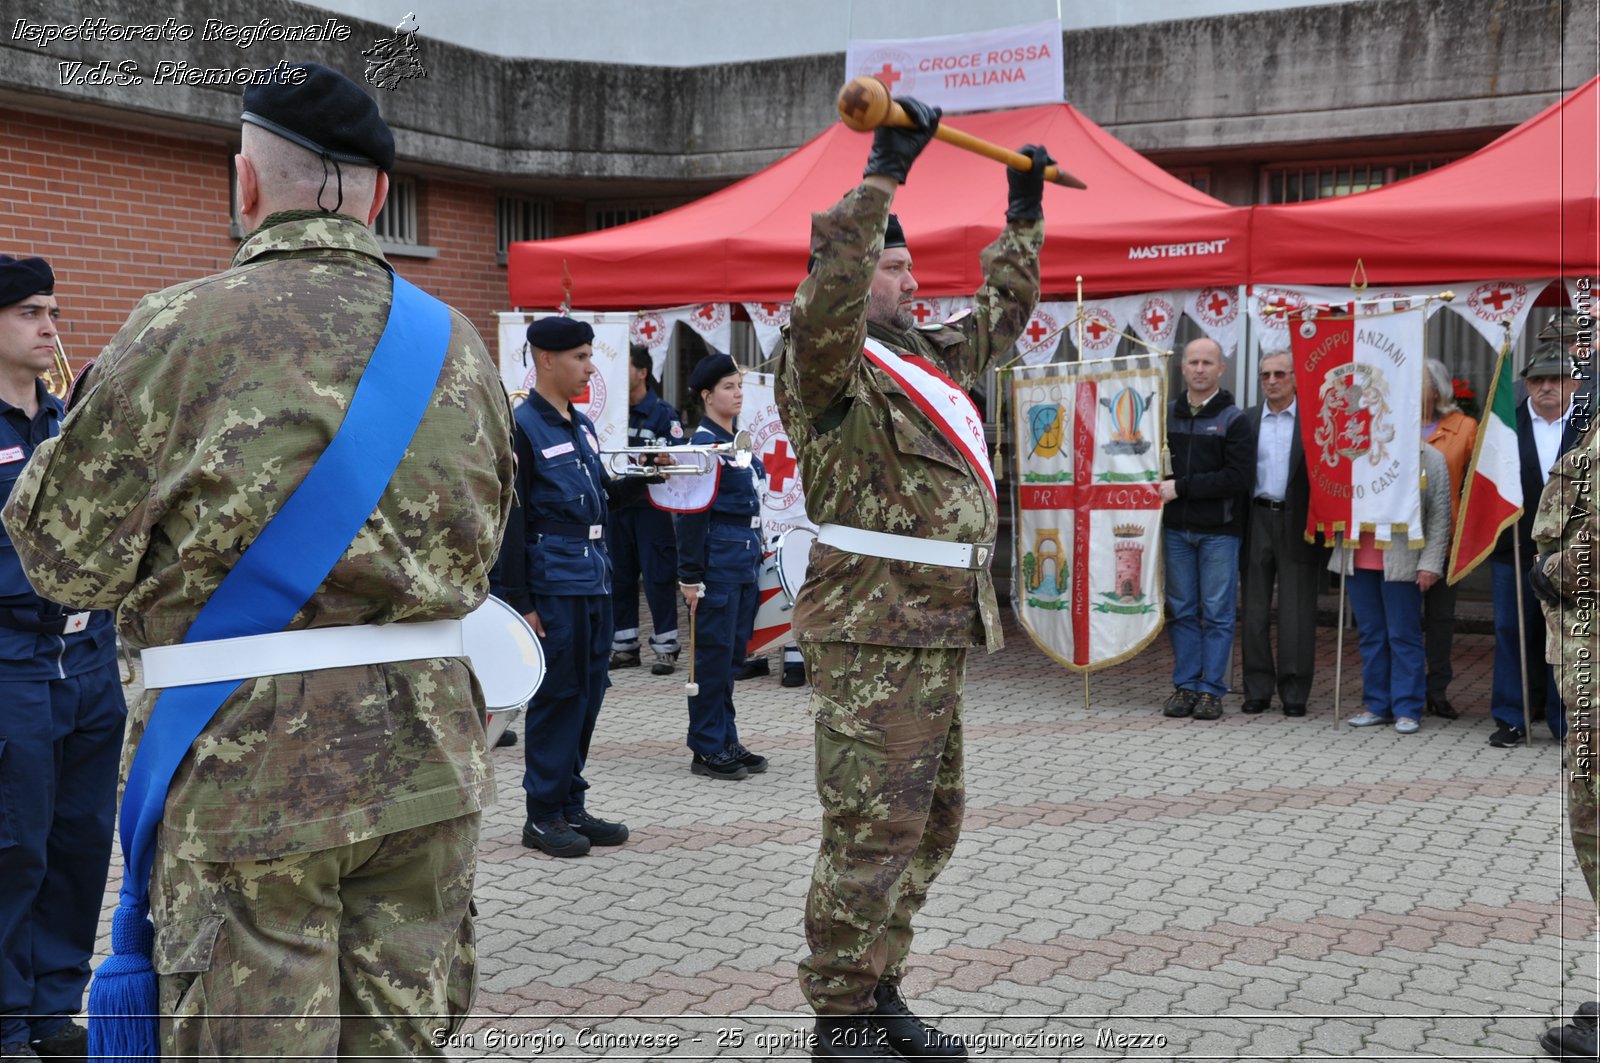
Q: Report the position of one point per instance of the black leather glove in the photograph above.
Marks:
(1027, 188)
(894, 148)
(1540, 584)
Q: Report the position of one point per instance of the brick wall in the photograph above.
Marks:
(124, 212)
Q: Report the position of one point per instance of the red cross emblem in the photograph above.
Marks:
(921, 311)
(648, 330)
(1499, 297)
(1154, 318)
(779, 463)
(707, 312)
(1218, 303)
(771, 308)
(1095, 330)
(1037, 332)
(888, 75)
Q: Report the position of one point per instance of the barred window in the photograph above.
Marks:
(1301, 182)
(517, 218)
(397, 221)
(606, 215)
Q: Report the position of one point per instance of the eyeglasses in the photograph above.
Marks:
(1274, 374)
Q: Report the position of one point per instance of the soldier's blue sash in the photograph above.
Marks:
(274, 578)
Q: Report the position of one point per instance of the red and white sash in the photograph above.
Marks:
(943, 400)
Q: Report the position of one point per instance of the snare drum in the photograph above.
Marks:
(507, 659)
(793, 550)
(772, 611)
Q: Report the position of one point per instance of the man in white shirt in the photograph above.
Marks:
(1276, 551)
(1541, 423)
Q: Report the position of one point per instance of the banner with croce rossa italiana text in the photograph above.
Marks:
(1089, 439)
(1358, 381)
(983, 71)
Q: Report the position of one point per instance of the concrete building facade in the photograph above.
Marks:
(115, 151)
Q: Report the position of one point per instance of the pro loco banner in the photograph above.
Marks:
(1358, 380)
(1087, 573)
(606, 401)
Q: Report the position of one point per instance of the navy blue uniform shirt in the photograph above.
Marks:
(561, 482)
(28, 654)
(723, 543)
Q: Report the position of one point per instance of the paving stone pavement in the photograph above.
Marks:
(1126, 886)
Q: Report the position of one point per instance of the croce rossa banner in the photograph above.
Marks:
(1358, 380)
(1088, 440)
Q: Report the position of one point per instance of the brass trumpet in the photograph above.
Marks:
(58, 378)
(686, 461)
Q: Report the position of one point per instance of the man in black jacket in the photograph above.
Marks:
(1213, 464)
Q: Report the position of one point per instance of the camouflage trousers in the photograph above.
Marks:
(888, 761)
(1574, 643)
(365, 949)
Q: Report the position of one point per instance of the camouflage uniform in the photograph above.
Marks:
(886, 641)
(317, 810)
(1566, 531)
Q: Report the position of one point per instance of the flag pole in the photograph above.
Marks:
(1522, 631)
(1338, 651)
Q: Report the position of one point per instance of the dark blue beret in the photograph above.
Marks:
(893, 235)
(710, 369)
(22, 277)
(326, 113)
(557, 333)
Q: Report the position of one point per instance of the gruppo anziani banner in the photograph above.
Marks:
(1358, 380)
(1087, 569)
(994, 69)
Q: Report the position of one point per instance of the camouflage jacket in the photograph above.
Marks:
(204, 413)
(1566, 532)
(870, 458)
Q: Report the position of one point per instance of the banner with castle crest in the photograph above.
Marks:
(1086, 574)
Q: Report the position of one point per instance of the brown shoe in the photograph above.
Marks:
(1209, 707)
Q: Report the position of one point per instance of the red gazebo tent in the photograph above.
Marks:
(1525, 205)
(1136, 228)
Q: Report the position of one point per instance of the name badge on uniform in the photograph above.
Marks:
(557, 450)
(11, 454)
(594, 444)
(75, 623)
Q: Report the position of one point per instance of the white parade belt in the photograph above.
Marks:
(905, 547)
(504, 653)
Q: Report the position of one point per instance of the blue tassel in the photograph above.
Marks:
(123, 1027)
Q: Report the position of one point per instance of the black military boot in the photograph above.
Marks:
(909, 1035)
(850, 1038)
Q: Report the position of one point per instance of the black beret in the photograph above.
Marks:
(326, 113)
(22, 277)
(557, 333)
(708, 370)
(893, 235)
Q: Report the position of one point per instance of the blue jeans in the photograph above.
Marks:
(1389, 626)
(1505, 694)
(1202, 572)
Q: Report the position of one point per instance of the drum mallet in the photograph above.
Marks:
(692, 688)
(865, 104)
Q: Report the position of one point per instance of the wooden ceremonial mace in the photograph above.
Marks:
(865, 104)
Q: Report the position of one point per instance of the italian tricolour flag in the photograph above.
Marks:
(1492, 500)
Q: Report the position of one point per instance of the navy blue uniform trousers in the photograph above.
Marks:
(723, 622)
(642, 546)
(60, 740)
(562, 714)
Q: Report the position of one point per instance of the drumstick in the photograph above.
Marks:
(865, 104)
(691, 688)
